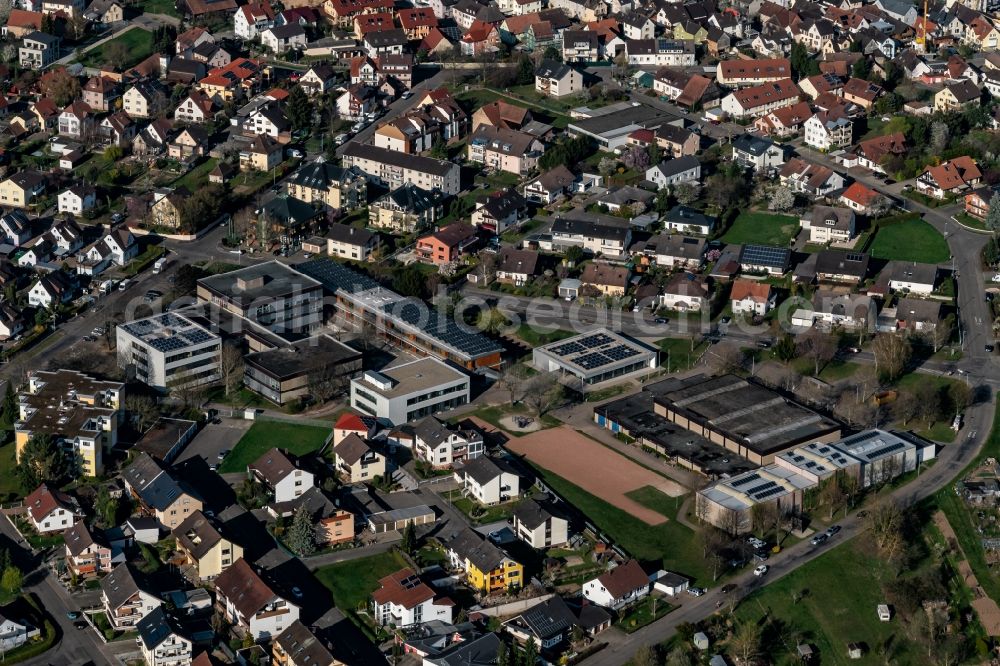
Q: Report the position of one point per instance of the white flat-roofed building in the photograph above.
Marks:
(728, 503)
(884, 455)
(169, 350)
(817, 460)
(410, 391)
(595, 357)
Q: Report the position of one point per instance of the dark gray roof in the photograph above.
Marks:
(289, 210)
(752, 145)
(480, 651)
(155, 628)
(484, 469)
(119, 585)
(409, 197)
(501, 204)
(552, 69)
(911, 271)
(343, 233)
(320, 175)
(531, 513)
(681, 214)
(549, 619)
(565, 225)
(482, 553)
(839, 262)
(678, 165)
(398, 159)
(305, 356)
(385, 38)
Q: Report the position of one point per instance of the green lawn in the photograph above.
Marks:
(352, 583)
(836, 608)
(536, 337)
(670, 544)
(158, 7)
(679, 354)
(969, 221)
(263, 435)
(478, 514)
(762, 229)
(912, 240)
(9, 485)
(139, 43)
(197, 177)
(648, 610)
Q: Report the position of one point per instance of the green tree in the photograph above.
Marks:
(861, 69)
(574, 254)
(106, 507)
(12, 580)
(301, 535)
(552, 53)
(409, 539)
(503, 654)
(993, 215)
(803, 64)
(439, 150)
(785, 349)
(530, 654)
(299, 108)
(8, 410)
(525, 71)
(41, 460)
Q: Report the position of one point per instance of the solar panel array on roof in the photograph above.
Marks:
(569, 348)
(596, 340)
(776, 490)
(748, 479)
(886, 450)
(592, 360)
(441, 328)
(764, 255)
(855, 256)
(336, 276)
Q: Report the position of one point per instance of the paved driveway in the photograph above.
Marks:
(214, 438)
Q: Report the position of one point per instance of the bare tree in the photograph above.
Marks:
(885, 524)
(325, 383)
(728, 359)
(763, 516)
(512, 378)
(746, 642)
(732, 521)
(943, 330)
(892, 353)
(905, 407)
(187, 389)
(543, 392)
(488, 263)
(818, 347)
(231, 368)
(142, 409)
(832, 495)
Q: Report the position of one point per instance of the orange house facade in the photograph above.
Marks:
(446, 244)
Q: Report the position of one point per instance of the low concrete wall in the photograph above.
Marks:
(513, 607)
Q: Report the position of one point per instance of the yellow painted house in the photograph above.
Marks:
(204, 546)
(690, 31)
(20, 190)
(487, 567)
(79, 412)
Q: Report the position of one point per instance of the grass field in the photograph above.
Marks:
(835, 608)
(668, 544)
(912, 240)
(535, 337)
(762, 229)
(679, 353)
(352, 582)
(263, 435)
(9, 485)
(197, 177)
(139, 43)
(158, 7)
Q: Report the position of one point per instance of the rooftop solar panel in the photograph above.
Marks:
(886, 450)
(742, 482)
(764, 255)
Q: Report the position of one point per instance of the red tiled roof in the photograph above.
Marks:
(402, 588)
(860, 194)
(749, 69)
(20, 18)
(758, 292)
(45, 500)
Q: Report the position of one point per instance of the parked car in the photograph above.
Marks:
(294, 152)
(73, 615)
(761, 570)
(695, 591)
(819, 538)
(832, 529)
(728, 587)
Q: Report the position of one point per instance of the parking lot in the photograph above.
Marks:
(213, 438)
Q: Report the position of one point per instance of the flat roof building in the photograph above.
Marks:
(80, 413)
(407, 322)
(595, 357)
(317, 365)
(166, 438)
(271, 294)
(744, 417)
(168, 350)
(410, 391)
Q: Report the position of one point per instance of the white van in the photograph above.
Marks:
(159, 264)
(108, 286)
(124, 284)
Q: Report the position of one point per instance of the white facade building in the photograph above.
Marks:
(169, 350)
(410, 391)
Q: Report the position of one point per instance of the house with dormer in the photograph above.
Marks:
(251, 603)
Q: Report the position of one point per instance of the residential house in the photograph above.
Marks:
(488, 481)
(393, 169)
(299, 646)
(786, 121)
(760, 100)
(263, 154)
(51, 289)
(550, 185)
(505, 150)
(319, 79)
(557, 79)
(499, 211)
(161, 641)
(283, 479)
(951, 177)
(403, 600)
(15, 228)
(406, 209)
(253, 18)
(144, 99)
(516, 267)
(741, 73)
(117, 129)
(841, 266)
(757, 152)
(105, 11)
(860, 198)
(671, 251)
(197, 107)
(957, 96)
(323, 182)
(168, 207)
(827, 224)
(501, 114)
(809, 178)
(686, 169)
(605, 279)
(100, 93)
(580, 46)
(126, 598)
(872, 153)
(911, 277)
(538, 526)
(250, 603)
(688, 220)
(38, 50)
(357, 460)
(21, 22)
(487, 567)
(348, 242)
(284, 38)
(751, 298)
(676, 141)
(204, 546)
(158, 493)
(446, 244)
(862, 93)
(442, 447)
(607, 236)
(77, 199)
(685, 292)
(620, 587)
(20, 189)
(765, 259)
(917, 315)
(827, 130)
(51, 511)
(977, 202)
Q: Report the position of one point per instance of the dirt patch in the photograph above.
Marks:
(595, 468)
